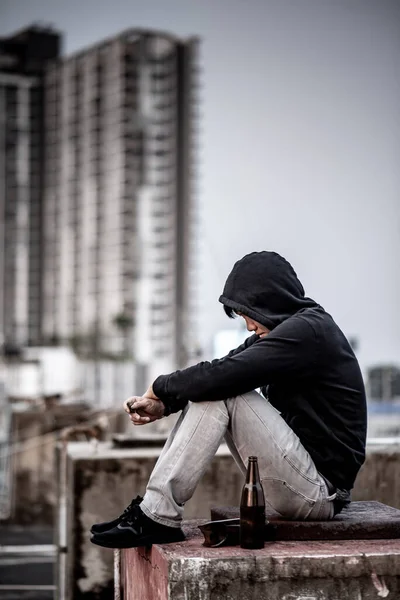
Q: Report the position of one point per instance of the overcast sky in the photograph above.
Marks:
(300, 142)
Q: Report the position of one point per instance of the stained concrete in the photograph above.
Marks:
(379, 478)
(351, 570)
(34, 434)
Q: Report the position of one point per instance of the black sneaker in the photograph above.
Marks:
(102, 527)
(136, 529)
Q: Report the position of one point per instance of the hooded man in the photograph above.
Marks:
(307, 427)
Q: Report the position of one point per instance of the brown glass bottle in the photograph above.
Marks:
(252, 509)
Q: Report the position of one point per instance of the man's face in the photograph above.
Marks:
(252, 325)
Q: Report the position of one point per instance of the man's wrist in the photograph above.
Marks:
(150, 393)
(167, 409)
(159, 390)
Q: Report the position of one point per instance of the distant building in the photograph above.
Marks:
(23, 59)
(383, 382)
(118, 200)
(118, 205)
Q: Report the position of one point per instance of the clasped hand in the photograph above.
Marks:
(147, 408)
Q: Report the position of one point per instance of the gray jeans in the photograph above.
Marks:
(251, 426)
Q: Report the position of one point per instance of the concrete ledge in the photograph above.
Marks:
(360, 520)
(365, 570)
(100, 483)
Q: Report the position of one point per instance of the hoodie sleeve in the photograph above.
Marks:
(173, 403)
(289, 350)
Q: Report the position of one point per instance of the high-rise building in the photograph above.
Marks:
(118, 205)
(23, 59)
(96, 199)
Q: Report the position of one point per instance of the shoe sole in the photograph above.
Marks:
(144, 541)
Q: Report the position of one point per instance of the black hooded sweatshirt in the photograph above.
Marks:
(304, 366)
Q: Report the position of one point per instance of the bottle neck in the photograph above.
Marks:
(252, 472)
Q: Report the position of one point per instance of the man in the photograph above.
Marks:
(308, 427)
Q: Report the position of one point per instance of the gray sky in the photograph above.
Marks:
(300, 142)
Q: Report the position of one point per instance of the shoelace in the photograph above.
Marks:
(133, 515)
(131, 506)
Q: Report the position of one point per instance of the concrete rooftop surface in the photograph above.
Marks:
(299, 570)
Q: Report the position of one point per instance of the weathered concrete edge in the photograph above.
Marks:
(271, 568)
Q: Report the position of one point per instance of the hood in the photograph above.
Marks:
(265, 287)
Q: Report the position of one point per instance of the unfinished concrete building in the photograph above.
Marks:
(23, 60)
(99, 199)
(118, 197)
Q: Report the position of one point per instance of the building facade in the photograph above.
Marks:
(23, 59)
(119, 202)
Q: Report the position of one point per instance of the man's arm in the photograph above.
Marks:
(179, 403)
(148, 408)
(289, 350)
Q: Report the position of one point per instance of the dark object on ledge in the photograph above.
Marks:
(359, 521)
(220, 533)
